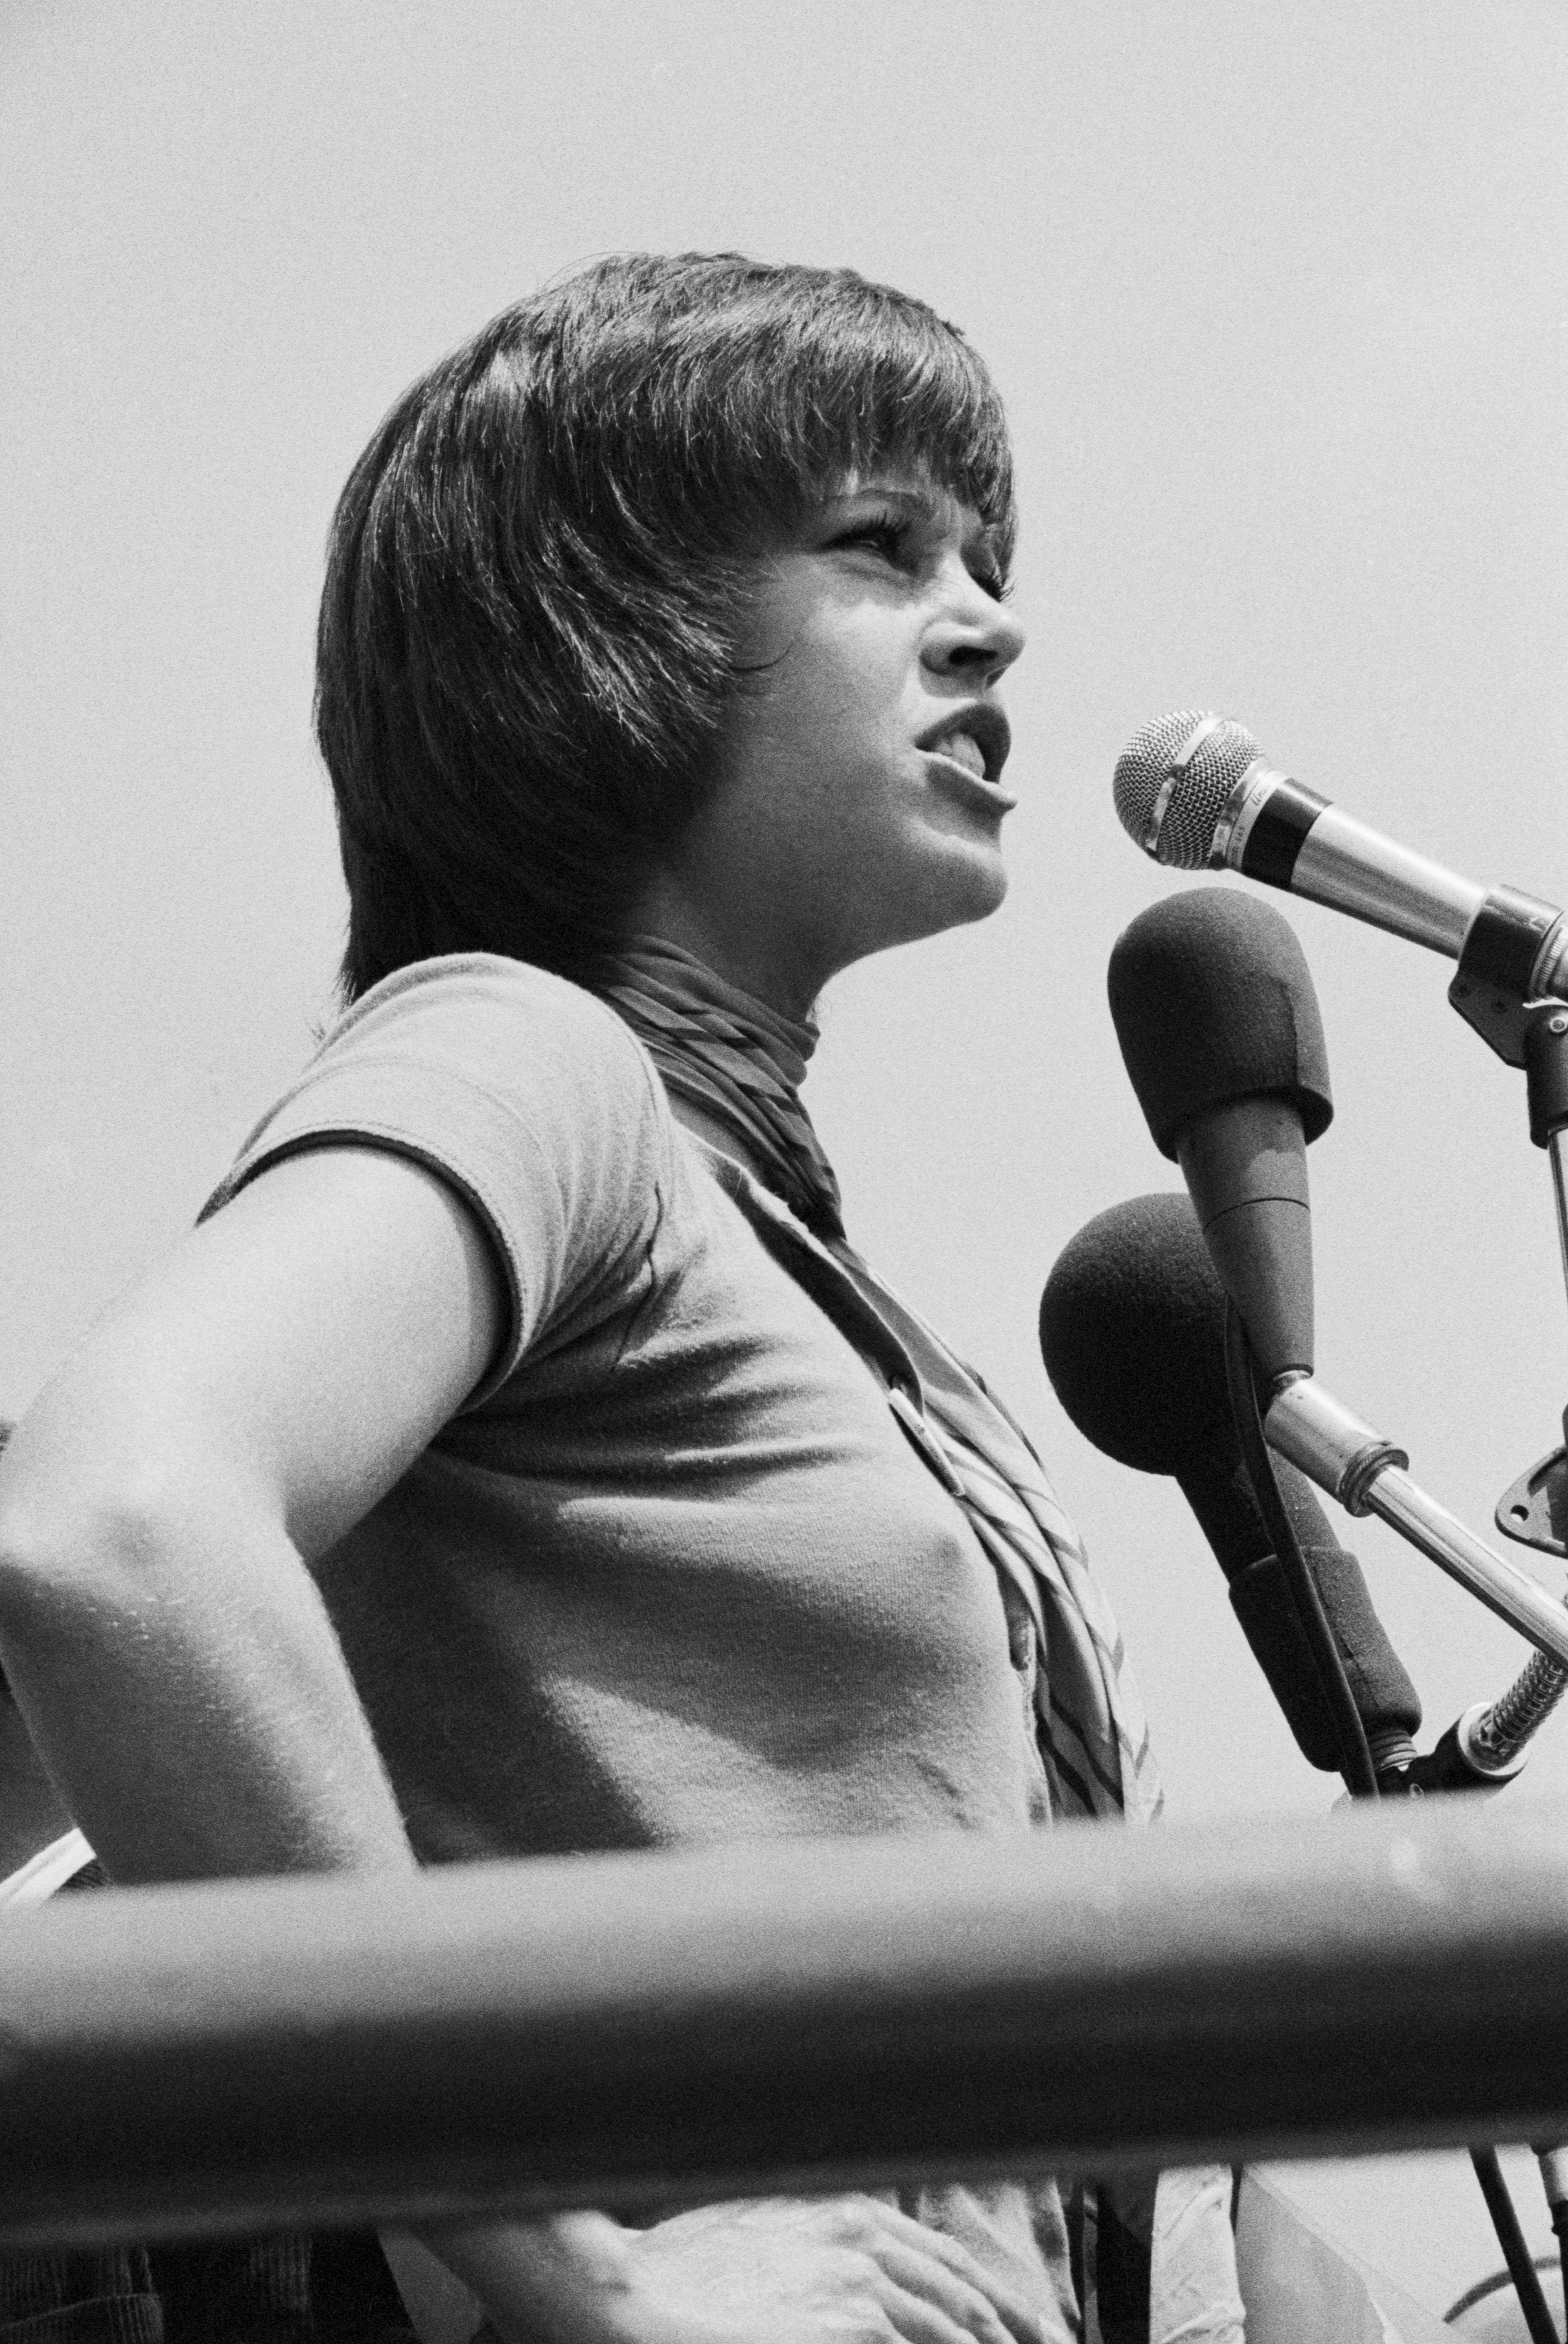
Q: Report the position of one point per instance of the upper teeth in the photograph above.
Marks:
(964, 750)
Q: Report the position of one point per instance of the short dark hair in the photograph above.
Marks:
(526, 636)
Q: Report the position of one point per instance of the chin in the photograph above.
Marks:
(969, 886)
(977, 885)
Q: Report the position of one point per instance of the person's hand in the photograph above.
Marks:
(827, 2270)
(777, 2270)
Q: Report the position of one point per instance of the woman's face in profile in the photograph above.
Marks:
(858, 801)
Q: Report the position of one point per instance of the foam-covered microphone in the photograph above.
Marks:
(1218, 1022)
(1218, 1027)
(1196, 792)
(1133, 1331)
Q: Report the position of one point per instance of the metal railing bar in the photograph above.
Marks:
(619, 2030)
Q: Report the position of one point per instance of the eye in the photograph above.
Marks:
(887, 534)
(987, 568)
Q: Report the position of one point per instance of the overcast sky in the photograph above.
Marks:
(1276, 297)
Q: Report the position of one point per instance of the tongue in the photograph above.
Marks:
(963, 752)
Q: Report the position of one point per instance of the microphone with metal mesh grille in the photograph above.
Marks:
(1133, 1331)
(1196, 793)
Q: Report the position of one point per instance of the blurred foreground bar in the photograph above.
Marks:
(615, 2030)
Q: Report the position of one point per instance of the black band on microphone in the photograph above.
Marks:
(1502, 942)
(1275, 838)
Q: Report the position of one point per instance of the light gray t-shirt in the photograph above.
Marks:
(674, 1573)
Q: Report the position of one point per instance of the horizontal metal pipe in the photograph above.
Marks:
(614, 2029)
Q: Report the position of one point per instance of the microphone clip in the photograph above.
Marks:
(1534, 1508)
(1494, 986)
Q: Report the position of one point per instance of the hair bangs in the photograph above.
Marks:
(734, 393)
(892, 384)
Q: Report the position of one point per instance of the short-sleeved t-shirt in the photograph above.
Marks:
(674, 1573)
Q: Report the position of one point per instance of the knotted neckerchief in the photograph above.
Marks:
(1156, 2265)
(742, 1063)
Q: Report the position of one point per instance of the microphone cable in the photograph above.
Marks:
(1356, 1766)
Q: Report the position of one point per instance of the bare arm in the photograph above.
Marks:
(224, 1423)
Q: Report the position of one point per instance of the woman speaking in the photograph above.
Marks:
(519, 1458)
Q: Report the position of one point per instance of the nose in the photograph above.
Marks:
(972, 635)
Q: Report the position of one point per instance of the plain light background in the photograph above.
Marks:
(1276, 295)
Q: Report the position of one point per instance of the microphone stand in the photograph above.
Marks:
(1554, 2164)
(1522, 2269)
(1534, 1508)
(1356, 1764)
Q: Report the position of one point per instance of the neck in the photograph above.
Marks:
(732, 1063)
(785, 972)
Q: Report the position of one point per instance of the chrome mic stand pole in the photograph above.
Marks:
(1546, 1075)
(1537, 1499)
(1554, 2164)
(1554, 1147)
(1515, 2253)
(1534, 1508)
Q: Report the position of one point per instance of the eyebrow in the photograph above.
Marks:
(919, 500)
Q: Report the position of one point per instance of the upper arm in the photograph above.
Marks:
(343, 1298)
(297, 1351)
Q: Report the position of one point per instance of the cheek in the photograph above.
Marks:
(796, 718)
(849, 674)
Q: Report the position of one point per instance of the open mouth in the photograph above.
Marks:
(973, 738)
(963, 749)
(962, 760)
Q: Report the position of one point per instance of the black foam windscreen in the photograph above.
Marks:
(1212, 1000)
(1133, 1332)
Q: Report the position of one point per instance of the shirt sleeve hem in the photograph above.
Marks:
(477, 1131)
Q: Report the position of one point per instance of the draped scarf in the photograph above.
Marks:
(1154, 2256)
(741, 1063)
